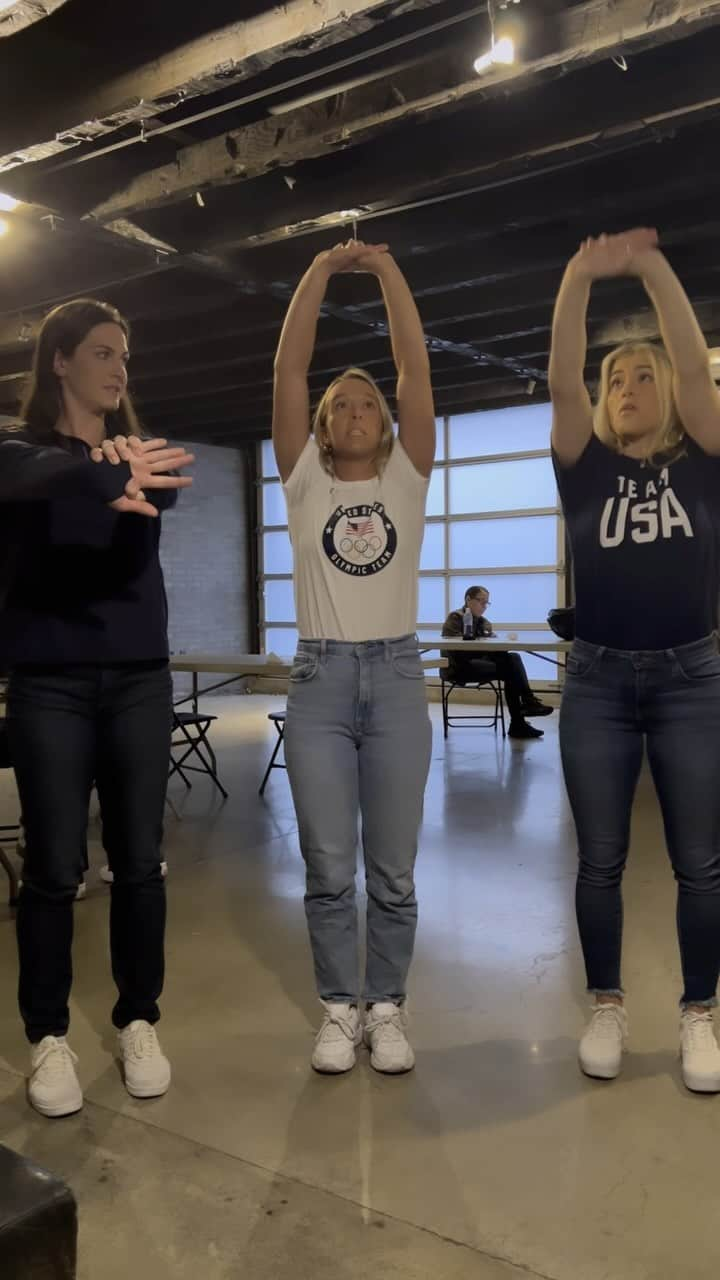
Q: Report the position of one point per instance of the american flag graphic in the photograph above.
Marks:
(360, 528)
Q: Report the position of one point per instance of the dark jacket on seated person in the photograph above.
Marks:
(459, 667)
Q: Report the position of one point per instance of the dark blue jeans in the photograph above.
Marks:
(614, 703)
(69, 727)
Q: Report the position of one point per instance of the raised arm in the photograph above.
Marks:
(416, 411)
(291, 398)
(696, 395)
(572, 422)
(571, 408)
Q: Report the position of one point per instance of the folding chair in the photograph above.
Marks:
(466, 720)
(278, 719)
(190, 738)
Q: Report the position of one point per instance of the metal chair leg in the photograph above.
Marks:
(12, 876)
(271, 764)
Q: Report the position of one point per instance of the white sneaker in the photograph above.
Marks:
(699, 1052)
(54, 1089)
(147, 1070)
(337, 1039)
(602, 1045)
(385, 1027)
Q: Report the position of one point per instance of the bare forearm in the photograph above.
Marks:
(406, 331)
(569, 335)
(297, 340)
(681, 333)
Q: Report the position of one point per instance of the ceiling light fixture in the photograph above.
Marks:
(8, 203)
(500, 53)
(502, 44)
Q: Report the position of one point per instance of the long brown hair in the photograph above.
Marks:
(63, 329)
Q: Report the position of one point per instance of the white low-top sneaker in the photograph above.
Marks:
(54, 1089)
(699, 1052)
(603, 1043)
(147, 1070)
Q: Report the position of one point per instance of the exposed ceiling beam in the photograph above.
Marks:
(584, 34)
(295, 29)
(23, 13)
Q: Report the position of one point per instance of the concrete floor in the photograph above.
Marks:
(495, 1160)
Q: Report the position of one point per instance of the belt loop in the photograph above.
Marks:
(323, 651)
(386, 647)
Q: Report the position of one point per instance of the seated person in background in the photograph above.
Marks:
(509, 667)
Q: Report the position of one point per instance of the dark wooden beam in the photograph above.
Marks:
(24, 13)
(104, 102)
(584, 34)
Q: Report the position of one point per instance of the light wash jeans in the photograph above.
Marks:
(357, 742)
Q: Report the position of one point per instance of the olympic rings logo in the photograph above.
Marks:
(367, 547)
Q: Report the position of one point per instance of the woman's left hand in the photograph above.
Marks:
(122, 449)
(374, 260)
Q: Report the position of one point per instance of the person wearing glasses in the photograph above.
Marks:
(471, 668)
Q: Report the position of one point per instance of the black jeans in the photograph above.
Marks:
(70, 727)
(613, 703)
(508, 667)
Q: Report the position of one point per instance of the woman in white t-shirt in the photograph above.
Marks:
(357, 738)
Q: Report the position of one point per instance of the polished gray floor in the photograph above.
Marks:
(494, 1160)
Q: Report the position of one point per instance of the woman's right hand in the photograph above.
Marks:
(151, 466)
(616, 255)
(346, 257)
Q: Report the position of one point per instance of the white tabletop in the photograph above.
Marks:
(497, 644)
(257, 664)
(231, 663)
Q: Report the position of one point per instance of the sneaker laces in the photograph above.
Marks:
(605, 1023)
(142, 1042)
(698, 1031)
(54, 1059)
(387, 1027)
(337, 1023)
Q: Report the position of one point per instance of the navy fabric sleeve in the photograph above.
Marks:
(573, 481)
(35, 473)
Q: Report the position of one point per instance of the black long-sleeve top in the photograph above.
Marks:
(79, 582)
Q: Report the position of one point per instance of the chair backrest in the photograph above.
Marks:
(562, 622)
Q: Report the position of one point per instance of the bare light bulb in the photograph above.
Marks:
(501, 53)
(8, 203)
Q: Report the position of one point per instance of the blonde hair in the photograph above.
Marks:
(668, 441)
(387, 438)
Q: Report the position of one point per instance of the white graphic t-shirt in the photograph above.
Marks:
(645, 546)
(356, 548)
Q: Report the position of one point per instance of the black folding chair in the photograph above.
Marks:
(278, 719)
(467, 720)
(190, 740)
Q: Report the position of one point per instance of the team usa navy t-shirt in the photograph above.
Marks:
(644, 538)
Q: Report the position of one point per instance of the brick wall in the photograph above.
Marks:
(204, 553)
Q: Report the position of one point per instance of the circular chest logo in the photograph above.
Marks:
(360, 540)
